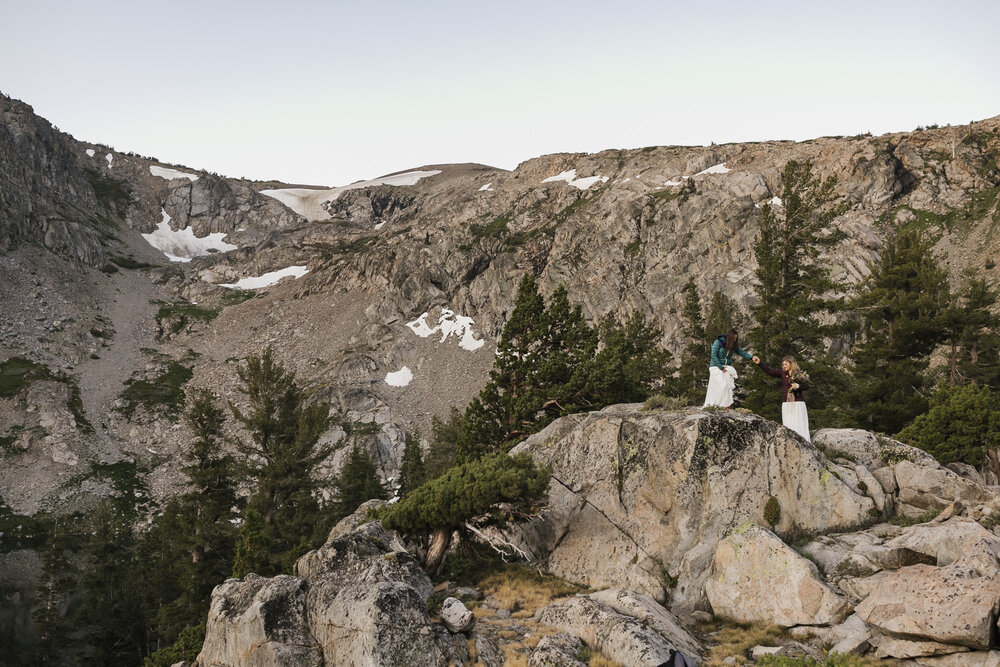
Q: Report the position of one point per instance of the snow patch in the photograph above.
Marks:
(714, 169)
(182, 245)
(170, 174)
(309, 203)
(460, 327)
(580, 183)
(91, 152)
(775, 202)
(379, 225)
(109, 157)
(400, 378)
(487, 188)
(673, 182)
(268, 279)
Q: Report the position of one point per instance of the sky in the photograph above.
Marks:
(328, 93)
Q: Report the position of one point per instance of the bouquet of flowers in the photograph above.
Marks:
(799, 377)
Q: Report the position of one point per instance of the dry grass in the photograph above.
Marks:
(522, 590)
(598, 660)
(483, 612)
(733, 640)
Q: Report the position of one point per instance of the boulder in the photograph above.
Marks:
(851, 636)
(356, 602)
(487, 652)
(619, 637)
(956, 540)
(558, 650)
(363, 555)
(654, 615)
(456, 616)
(867, 449)
(924, 487)
(262, 618)
(973, 659)
(895, 647)
(695, 477)
(951, 605)
(757, 577)
(374, 624)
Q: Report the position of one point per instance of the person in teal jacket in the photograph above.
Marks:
(725, 347)
(721, 374)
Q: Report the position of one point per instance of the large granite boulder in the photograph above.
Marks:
(354, 601)
(619, 637)
(641, 498)
(260, 622)
(758, 578)
(654, 615)
(951, 605)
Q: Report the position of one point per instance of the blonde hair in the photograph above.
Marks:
(793, 365)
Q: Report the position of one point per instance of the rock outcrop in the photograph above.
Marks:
(641, 499)
(354, 602)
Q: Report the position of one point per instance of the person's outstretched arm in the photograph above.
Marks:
(770, 371)
(743, 353)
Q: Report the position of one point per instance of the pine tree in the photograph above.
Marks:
(962, 424)
(692, 377)
(411, 470)
(628, 367)
(793, 286)
(283, 451)
(535, 375)
(901, 305)
(971, 336)
(498, 485)
(357, 482)
(198, 525)
(549, 364)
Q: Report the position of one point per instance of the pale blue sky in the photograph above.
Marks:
(333, 92)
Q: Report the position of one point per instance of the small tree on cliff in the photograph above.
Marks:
(282, 452)
(499, 486)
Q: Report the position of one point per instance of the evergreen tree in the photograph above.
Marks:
(357, 482)
(628, 367)
(411, 470)
(692, 377)
(548, 364)
(963, 424)
(282, 453)
(972, 336)
(198, 526)
(500, 486)
(723, 314)
(901, 306)
(444, 438)
(793, 286)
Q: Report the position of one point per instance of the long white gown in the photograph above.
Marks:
(720, 386)
(795, 416)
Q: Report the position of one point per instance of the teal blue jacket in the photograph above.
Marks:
(721, 358)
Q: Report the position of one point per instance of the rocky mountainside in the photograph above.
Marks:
(127, 282)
